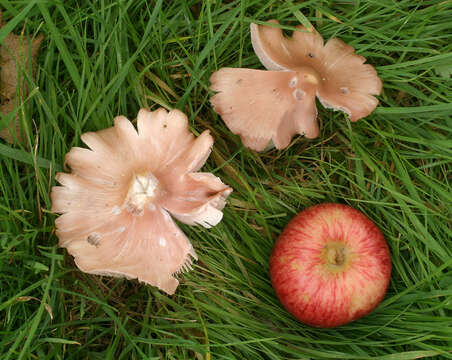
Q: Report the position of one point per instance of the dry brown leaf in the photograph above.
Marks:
(49, 310)
(17, 54)
(26, 298)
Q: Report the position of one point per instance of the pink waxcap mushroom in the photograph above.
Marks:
(275, 105)
(117, 200)
(264, 105)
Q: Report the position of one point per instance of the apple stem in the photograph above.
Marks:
(336, 256)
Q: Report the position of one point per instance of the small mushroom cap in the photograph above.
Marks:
(116, 203)
(263, 105)
(347, 83)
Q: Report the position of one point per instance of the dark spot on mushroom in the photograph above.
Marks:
(344, 90)
(134, 210)
(299, 94)
(239, 81)
(311, 55)
(68, 203)
(165, 126)
(274, 90)
(230, 107)
(94, 239)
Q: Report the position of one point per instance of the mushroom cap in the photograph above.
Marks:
(264, 105)
(116, 203)
(277, 104)
(347, 83)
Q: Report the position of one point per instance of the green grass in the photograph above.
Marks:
(112, 57)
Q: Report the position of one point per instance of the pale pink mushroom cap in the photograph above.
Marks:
(275, 105)
(117, 200)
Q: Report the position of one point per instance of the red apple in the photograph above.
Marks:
(331, 265)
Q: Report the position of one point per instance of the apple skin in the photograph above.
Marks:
(330, 265)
